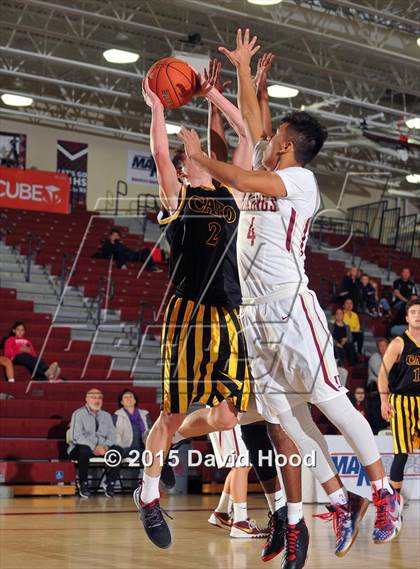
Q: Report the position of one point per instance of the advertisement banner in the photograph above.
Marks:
(35, 190)
(141, 168)
(12, 150)
(354, 476)
(72, 160)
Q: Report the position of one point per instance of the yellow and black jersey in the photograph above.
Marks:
(202, 236)
(404, 376)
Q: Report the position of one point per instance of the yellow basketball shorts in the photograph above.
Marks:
(405, 424)
(203, 356)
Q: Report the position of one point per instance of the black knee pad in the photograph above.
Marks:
(258, 444)
(397, 467)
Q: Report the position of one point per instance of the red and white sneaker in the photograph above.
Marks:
(388, 518)
(248, 530)
(220, 520)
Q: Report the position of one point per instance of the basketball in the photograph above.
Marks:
(173, 81)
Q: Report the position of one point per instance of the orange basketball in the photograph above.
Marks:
(173, 81)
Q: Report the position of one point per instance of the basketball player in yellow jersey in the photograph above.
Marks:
(399, 387)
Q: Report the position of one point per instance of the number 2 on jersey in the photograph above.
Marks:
(214, 230)
(251, 232)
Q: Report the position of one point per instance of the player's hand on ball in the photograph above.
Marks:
(213, 76)
(152, 100)
(387, 411)
(191, 141)
(245, 49)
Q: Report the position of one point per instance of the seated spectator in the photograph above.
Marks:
(113, 247)
(350, 288)
(6, 363)
(399, 322)
(343, 341)
(22, 353)
(353, 322)
(384, 308)
(368, 296)
(358, 398)
(92, 433)
(132, 426)
(404, 289)
(375, 362)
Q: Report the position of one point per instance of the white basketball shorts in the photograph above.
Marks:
(291, 353)
(229, 448)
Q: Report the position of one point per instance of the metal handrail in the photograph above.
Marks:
(29, 254)
(122, 190)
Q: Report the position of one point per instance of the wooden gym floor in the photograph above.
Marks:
(104, 533)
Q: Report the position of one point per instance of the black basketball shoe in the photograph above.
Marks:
(167, 476)
(83, 488)
(156, 528)
(275, 541)
(297, 542)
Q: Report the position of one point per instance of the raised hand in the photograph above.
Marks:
(152, 100)
(213, 76)
(263, 67)
(245, 49)
(191, 142)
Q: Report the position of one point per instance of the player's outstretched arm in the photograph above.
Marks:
(264, 65)
(169, 185)
(242, 153)
(217, 145)
(263, 182)
(391, 356)
(248, 102)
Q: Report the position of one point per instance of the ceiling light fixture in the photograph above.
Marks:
(120, 56)
(265, 2)
(282, 92)
(172, 128)
(413, 178)
(16, 100)
(413, 122)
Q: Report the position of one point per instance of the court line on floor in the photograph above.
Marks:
(108, 512)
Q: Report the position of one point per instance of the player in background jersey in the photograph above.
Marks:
(399, 388)
(292, 350)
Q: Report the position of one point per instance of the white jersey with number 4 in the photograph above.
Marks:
(272, 233)
(290, 348)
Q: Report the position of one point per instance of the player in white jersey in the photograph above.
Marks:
(287, 335)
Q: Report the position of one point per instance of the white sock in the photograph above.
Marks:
(294, 512)
(150, 489)
(276, 500)
(382, 483)
(223, 505)
(240, 512)
(230, 507)
(11, 379)
(339, 497)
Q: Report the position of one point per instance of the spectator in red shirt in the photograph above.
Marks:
(22, 353)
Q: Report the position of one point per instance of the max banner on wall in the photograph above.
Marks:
(72, 160)
(35, 190)
(141, 168)
(12, 150)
